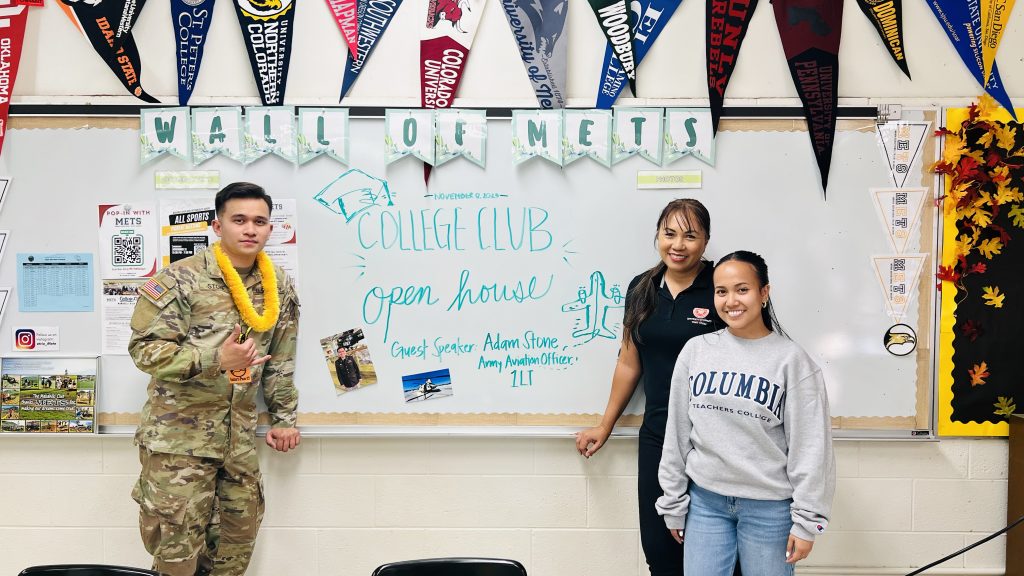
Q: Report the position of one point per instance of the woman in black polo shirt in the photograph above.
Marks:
(665, 306)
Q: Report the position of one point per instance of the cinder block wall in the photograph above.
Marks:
(341, 506)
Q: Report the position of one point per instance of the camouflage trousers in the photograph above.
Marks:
(199, 515)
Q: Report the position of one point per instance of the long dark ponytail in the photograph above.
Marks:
(771, 321)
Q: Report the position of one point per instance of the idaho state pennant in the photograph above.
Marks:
(191, 20)
(810, 31)
(616, 22)
(961, 20)
(727, 22)
(538, 27)
(115, 46)
(653, 15)
(345, 15)
(267, 28)
(12, 36)
(887, 16)
(373, 17)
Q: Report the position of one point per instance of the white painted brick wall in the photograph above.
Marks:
(341, 506)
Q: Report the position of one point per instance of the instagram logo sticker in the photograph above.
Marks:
(24, 339)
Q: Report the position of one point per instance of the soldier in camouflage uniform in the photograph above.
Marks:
(200, 491)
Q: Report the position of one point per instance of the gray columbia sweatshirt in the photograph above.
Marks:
(748, 418)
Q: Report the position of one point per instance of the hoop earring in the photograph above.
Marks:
(764, 304)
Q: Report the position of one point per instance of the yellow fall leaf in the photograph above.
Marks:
(990, 247)
(1005, 136)
(1007, 195)
(987, 105)
(986, 139)
(1005, 406)
(993, 297)
(982, 217)
(1017, 215)
(978, 374)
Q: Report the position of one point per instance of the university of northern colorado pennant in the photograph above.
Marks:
(373, 21)
(13, 16)
(727, 22)
(651, 17)
(191, 20)
(810, 31)
(887, 17)
(538, 27)
(267, 30)
(963, 27)
(616, 22)
(108, 29)
(344, 12)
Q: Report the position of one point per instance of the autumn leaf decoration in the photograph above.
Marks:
(978, 374)
(993, 297)
(1005, 406)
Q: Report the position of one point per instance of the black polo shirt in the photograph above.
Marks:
(663, 334)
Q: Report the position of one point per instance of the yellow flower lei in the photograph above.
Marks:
(271, 303)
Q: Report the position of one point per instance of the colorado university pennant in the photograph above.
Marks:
(538, 27)
(191, 20)
(887, 16)
(345, 15)
(727, 22)
(810, 32)
(615, 19)
(650, 18)
(445, 40)
(13, 16)
(373, 17)
(267, 29)
(108, 29)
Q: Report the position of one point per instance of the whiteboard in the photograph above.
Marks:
(508, 277)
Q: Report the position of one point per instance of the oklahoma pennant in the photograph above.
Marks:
(12, 36)
(887, 16)
(727, 22)
(267, 28)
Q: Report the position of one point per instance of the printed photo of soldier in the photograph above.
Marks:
(348, 361)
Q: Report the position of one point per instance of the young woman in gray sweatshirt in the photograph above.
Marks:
(747, 466)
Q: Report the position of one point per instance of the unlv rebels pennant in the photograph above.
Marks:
(651, 20)
(191, 25)
(13, 16)
(887, 16)
(727, 22)
(810, 31)
(373, 17)
(267, 28)
(615, 19)
(345, 15)
(538, 26)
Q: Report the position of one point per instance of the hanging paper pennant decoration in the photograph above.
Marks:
(216, 131)
(727, 22)
(653, 15)
(165, 130)
(994, 15)
(538, 27)
(269, 130)
(616, 22)
(689, 132)
(191, 20)
(962, 24)
(123, 57)
(588, 133)
(898, 276)
(900, 143)
(345, 15)
(461, 133)
(373, 18)
(899, 210)
(537, 133)
(637, 131)
(810, 31)
(267, 29)
(13, 17)
(323, 131)
(887, 16)
(409, 132)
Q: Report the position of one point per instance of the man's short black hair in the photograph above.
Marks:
(241, 190)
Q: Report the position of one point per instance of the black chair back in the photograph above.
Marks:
(86, 570)
(452, 567)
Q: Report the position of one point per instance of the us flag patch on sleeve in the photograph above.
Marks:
(153, 288)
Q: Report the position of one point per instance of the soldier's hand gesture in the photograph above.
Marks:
(235, 355)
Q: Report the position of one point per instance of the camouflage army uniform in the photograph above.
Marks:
(197, 436)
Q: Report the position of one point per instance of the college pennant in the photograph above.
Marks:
(269, 130)
(616, 21)
(12, 37)
(445, 41)
(116, 46)
(961, 20)
(689, 132)
(165, 130)
(637, 131)
(810, 31)
(191, 20)
(345, 15)
(373, 21)
(588, 133)
(727, 22)
(899, 210)
(994, 15)
(887, 16)
(897, 277)
(323, 131)
(900, 143)
(216, 131)
(267, 28)
(538, 27)
(653, 15)
(409, 132)
(537, 133)
(461, 133)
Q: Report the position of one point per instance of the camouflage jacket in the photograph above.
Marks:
(178, 328)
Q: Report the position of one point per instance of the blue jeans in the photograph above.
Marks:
(718, 527)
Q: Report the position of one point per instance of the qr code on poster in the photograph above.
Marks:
(128, 250)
